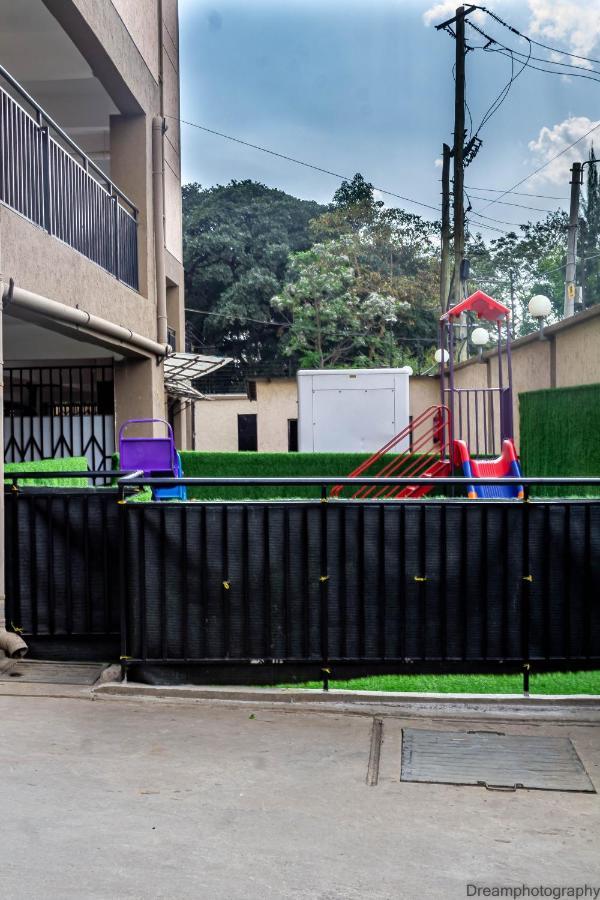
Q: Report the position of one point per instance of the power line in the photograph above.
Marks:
(299, 162)
(495, 106)
(533, 41)
(499, 221)
(505, 51)
(242, 319)
(516, 193)
(540, 168)
(517, 205)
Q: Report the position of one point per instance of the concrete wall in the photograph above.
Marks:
(141, 19)
(216, 421)
(276, 402)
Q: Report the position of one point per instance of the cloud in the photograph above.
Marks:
(445, 9)
(552, 140)
(439, 162)
(575, 23)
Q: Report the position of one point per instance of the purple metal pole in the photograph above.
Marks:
(510, 425)
(451, 382)
(500, 385)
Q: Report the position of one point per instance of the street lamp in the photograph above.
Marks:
(479, 338)
(539, 308)
(441, 356)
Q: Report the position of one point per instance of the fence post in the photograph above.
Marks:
(46, 175)
(526, 581)
(116, 243)
(122, 504)
(324, 593)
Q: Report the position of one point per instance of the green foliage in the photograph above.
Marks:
(237, 239)
(533, 257)
(70, 464)
(540, 683)
(559, 435)
(370, 272)
(589, 246)
(366, 290)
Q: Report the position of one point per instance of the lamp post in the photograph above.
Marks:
(540, 308)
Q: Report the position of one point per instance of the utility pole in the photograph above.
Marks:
(459, 141)
(570, 286)
(445, 265)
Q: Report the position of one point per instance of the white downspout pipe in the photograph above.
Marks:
(10, 643)
(158, 207)
(79, 318)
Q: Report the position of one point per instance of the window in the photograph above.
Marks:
(247, 435)
(292, 435)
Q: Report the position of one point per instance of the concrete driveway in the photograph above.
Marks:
(130, 798)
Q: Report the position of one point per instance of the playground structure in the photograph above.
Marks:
(156, 457)
(442, 437)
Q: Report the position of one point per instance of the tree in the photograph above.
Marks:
(365, 292)
(237, 240)
(590, 236)
(533, 257)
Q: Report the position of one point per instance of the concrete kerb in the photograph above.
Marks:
(563, 707)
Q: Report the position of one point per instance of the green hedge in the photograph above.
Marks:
(263, 465)
(70, 464)
(560, 435)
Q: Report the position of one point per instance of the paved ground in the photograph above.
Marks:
(129, 798)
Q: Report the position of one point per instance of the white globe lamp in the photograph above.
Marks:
(539, 308)
(479, 338)
(441, 356)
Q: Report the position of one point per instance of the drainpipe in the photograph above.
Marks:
(158, 206)
(81, 320)
(10, 643)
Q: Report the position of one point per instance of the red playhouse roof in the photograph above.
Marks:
(480, 303)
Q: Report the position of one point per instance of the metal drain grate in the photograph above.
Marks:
(22, 671)
(502, 761)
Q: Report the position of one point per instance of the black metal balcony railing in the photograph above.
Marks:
(47, 178)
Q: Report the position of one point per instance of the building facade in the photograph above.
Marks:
(90, 221)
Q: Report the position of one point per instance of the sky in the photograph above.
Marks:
(367, 85)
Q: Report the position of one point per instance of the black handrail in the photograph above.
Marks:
(94, 475)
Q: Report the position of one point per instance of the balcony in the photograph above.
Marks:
(48, 179)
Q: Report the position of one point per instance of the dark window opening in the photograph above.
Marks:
(292, 435)
(247, 432)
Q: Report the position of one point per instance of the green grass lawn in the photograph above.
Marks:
(542, 683)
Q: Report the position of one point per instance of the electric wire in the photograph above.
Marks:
(299, 162)
(500, 21)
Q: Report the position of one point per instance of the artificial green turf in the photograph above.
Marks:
(540, 683)
(68, 464)
(559, 436)
(197, 464)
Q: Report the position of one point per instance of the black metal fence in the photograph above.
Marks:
(47, 178)
(59, 411)
(240, 588)
(62, 586)
(436, 583)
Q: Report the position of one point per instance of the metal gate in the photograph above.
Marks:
(58, 411)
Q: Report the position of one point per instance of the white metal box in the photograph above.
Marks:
(351, 410)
